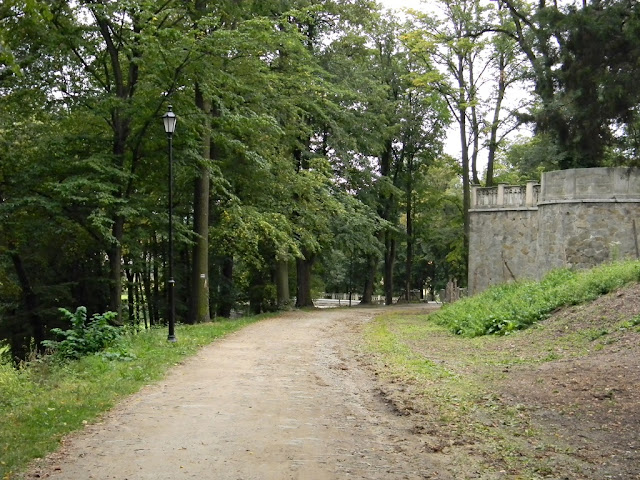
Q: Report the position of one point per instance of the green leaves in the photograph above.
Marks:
(583, 82)
(83, 338)
(505, 308)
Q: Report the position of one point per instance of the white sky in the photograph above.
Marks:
(401, 4)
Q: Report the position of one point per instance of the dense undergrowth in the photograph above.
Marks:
(48, 398)
(505, 308)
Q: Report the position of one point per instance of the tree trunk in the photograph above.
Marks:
(350, 277)
(372, 268)
(466, 194)
(139, 306)
(199, 304)
(387, 210)
(130, 295)
(146, 281)
(141, 303)
(282, 283)
(156, 282)
(389, 266)
(409, 213)
(304, 265)
(120, 124)
(30, 302)
(227, 300)
(475, 125)
(466, 202)
(115, 264)
(182, 294)
(493, 141)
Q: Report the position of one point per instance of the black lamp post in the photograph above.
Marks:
(170, 120)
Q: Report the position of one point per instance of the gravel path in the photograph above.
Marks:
(285, 398)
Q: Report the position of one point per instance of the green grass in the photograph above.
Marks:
(505, 308)
(394, 341)
(406, 363)
(43, 401)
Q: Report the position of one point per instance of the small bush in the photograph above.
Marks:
(14, 386)
(83, 338)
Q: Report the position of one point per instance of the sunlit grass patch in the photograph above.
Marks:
(394, 341)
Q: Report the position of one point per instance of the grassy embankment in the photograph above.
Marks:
(45, 400)
(448, 366)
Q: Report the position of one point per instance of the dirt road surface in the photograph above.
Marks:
(285, 398)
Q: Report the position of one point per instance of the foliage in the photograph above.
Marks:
(439, 223)
(505, 308)
(42, 401)
(583, 61)
(88, 154)
(525, 159)
(318, 127)
(83, 338)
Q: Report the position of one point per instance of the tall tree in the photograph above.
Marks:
(101, 79)
(425, 117)
(104, 43)
(476, 63)
(450, 42)
(583, 59)
(199, 304)
(506, 64)
(439, 248)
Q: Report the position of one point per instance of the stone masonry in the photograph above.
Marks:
(574, 218)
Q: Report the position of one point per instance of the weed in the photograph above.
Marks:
(551, 356)
(83, 338)
(635, 321)
(595, 333)
(506, 308)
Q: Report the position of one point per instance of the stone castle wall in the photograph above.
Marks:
(574, 218)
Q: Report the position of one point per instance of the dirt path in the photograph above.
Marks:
(282, 399)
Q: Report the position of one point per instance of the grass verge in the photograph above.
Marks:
(43, 401)
(396, 341)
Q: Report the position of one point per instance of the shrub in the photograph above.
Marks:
(83, 338)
